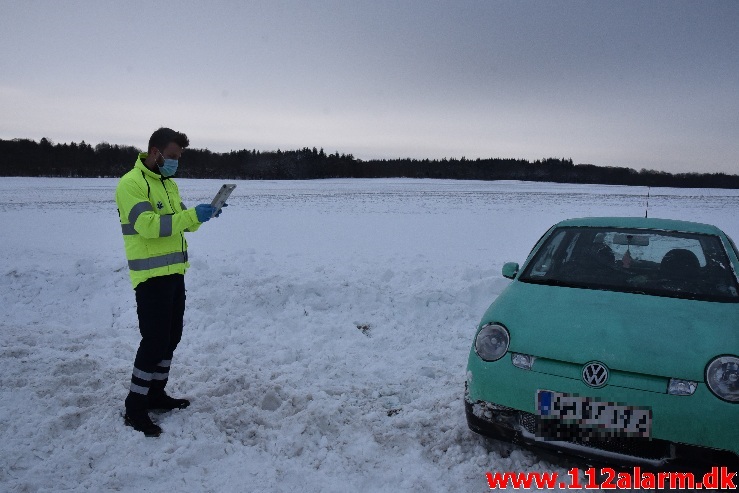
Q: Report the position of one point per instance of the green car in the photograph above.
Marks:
(616, 343)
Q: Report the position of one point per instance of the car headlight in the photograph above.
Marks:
(492, 342)
(722, 377)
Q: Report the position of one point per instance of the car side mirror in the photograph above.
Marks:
(510, 269)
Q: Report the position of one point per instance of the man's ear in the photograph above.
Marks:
(152, 156)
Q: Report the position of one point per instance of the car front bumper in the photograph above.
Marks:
(521, 427)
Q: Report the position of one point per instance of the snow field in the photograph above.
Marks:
(326, 334)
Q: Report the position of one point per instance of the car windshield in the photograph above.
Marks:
(661, 263)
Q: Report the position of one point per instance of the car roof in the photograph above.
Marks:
(642, 223)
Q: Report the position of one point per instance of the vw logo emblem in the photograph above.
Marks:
(595, 374)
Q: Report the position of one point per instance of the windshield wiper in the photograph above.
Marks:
(550, 282)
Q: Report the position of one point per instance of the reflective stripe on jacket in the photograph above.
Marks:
(153, 221)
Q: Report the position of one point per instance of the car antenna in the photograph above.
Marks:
(646, 211)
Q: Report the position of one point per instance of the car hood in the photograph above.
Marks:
(637, 333)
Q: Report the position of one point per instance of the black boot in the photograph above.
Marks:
(161, 401)
(139, 420)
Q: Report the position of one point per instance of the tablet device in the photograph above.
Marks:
(221, 197)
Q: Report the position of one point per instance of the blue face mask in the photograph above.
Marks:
(169, 168)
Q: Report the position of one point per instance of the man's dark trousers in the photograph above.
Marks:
(160, 304)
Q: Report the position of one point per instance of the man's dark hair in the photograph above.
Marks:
(163, 136)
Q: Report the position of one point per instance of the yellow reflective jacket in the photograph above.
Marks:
(153, 222)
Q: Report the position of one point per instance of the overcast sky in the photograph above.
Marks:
(640, 84)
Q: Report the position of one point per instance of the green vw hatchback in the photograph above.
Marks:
(617, 342)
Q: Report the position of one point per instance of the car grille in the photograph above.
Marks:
(633, 446)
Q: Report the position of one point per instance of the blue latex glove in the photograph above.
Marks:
(204, 212)
(220, 210)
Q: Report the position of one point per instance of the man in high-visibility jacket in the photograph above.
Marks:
(153, 221)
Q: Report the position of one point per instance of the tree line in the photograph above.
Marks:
(24, 157)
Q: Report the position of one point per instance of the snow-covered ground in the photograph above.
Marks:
(327, 332)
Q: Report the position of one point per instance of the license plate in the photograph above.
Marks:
(606, 418)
